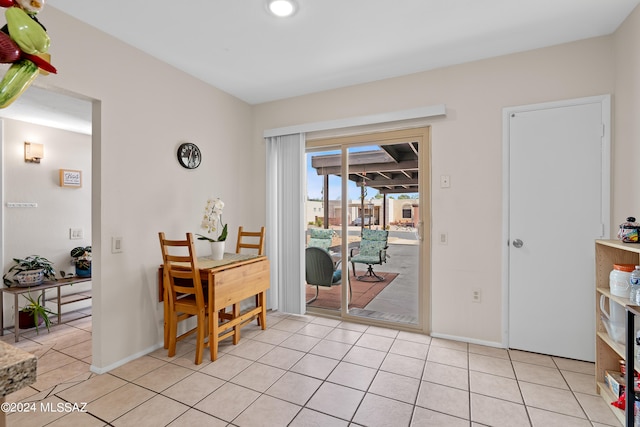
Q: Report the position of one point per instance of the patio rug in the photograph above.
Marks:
(363, 292)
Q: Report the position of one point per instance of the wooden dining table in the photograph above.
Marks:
(229, 282)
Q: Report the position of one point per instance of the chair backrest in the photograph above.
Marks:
(318, 267)
(320, 238)
(373, 241)
(180, 269)
(250, 240)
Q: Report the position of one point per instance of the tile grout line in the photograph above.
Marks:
(524, 402)
(325, 380)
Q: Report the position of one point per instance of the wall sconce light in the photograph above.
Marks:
(33, 152)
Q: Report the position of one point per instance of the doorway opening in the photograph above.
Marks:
(62, 123)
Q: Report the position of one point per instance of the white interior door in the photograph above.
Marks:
(558, 189)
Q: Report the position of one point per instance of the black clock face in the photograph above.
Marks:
(189, 155)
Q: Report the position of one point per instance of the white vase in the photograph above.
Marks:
(217, 250)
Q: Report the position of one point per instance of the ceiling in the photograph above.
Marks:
(48, 108)
(237, 46)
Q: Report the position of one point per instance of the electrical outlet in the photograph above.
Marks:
(476, 295)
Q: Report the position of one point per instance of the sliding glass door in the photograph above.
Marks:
(366, 193)
(323, 229)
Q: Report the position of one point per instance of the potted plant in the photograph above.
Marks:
(82, 260)
(34, 313)
(212, 223)
(29, 271)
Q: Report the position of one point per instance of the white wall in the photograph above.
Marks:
(44, 230)
(467, 145)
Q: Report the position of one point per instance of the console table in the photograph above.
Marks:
(61, 300)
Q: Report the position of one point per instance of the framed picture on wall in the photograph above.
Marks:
(70, 178)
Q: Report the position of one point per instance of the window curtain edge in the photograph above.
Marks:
(285, 193)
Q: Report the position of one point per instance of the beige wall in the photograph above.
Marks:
(146, 108)
(467, 145)
(626, 147)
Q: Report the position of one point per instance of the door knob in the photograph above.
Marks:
(518, 243)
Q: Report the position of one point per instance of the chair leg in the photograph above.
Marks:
(167, 315)
(167, 332)
(173, 331)
(315, 297)
(369, 276)
(200, 338)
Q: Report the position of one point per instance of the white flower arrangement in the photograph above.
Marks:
(212, 221)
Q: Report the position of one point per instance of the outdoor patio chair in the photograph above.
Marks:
(320, 238)
(372, 251)
(321, 271)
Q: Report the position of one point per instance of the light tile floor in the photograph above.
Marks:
(310, 371)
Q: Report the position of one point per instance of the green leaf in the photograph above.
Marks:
(223, 235)
(204, 238)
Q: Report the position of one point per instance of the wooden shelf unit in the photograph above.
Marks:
(609, 352)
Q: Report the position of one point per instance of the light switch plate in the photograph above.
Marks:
(76, 234)
(116, 245)
(444, 238)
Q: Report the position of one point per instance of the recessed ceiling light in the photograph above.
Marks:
(281, 8)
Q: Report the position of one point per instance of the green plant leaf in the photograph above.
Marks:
(33, 262)
(201, 237)
(223, 235)
(37, 308)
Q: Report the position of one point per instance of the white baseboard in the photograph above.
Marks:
(467, 340)
(97, 370)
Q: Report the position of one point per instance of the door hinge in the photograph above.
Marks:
(603, 129)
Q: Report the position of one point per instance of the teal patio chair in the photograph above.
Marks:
(320, 238)
(321, 271)
(372, 251)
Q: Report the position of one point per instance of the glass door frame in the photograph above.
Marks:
(421, 135)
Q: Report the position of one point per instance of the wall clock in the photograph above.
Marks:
(189, 155)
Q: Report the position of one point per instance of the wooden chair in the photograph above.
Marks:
(247, 240)
(253, 240)
(183, 293)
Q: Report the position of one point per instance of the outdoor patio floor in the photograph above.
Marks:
(398, 302)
